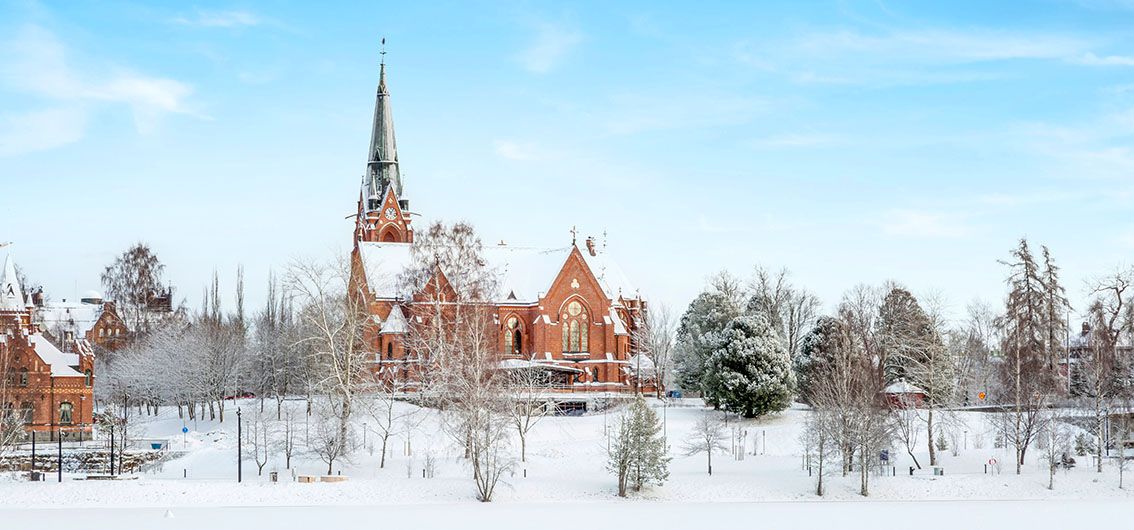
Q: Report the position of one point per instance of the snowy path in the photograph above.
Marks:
(951, 515)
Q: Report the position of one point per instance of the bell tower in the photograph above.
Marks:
(383, 212)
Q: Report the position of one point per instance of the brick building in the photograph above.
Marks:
(569, 310)
(91, 318)
(47, 384)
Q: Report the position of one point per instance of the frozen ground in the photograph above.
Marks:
(565, 468)
(923, 515)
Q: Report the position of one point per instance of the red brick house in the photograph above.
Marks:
(567, 309)
(48, 387)
(91, 318)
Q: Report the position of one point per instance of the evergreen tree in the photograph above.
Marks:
(697, 334)
(637, 454)
(905, 334)
(817, 349)
(749, 372)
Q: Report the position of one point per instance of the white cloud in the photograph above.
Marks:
(1108, 60)
(790, 140)
(36, 63)
(553, 42)
(632, 113)
(41, 130)
(221, 19)
(905, 57)
(916, 223)
(519, 151)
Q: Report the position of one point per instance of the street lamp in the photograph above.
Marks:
(239, 449)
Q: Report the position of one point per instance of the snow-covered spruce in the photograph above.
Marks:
(749, 372)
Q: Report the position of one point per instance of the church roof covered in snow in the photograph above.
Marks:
(525, 273)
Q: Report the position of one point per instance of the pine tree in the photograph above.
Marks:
(816, 350)
(749, 372)
(637, 454)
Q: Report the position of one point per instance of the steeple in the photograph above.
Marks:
(11, 295)
(382, 158)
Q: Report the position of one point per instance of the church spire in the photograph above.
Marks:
(382, 159)
(11, 295)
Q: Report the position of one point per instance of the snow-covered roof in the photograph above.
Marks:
(902, 387)
(645, 362)
(11, 295)
(520, 364)
(619, 325)
(525, 273)
(62, 364)
(395, 323)
(69, 316)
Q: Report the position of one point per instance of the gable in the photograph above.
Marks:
(575, 278)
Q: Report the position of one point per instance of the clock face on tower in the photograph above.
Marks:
(391, 214)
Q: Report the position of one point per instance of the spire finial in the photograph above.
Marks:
(574, 234)
(382, 52)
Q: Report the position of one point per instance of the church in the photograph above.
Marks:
(567, 310)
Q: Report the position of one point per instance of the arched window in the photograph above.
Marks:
(27, 411)
(88, 374)
(65, 409)
(389, 350)
(513, 336)
(575, 327)
(23, 377)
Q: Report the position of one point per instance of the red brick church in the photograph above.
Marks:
(569, 310)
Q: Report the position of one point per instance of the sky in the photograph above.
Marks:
(850, 142)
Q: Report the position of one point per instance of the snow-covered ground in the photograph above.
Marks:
(566, 459)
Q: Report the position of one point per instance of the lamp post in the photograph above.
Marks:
(60, 454)
(239, 449)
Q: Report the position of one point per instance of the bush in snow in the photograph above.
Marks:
(749, 371)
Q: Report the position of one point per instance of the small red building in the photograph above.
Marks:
(903, 395)
(47, 385)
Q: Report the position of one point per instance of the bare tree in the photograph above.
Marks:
(527, 387)
(791, 309)
(656, 339)
(1057, 443)
(260, 434)
(290, 435)
(389, 418)
(330, 440)
(332, 320)
(132, 280)
(708, 435)
(1102, 376)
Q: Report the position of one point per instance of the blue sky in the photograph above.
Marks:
(848, 141)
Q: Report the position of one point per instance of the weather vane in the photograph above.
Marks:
(383, 50)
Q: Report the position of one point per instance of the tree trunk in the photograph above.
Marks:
(932, 449)
(864, 473)
(382, 462)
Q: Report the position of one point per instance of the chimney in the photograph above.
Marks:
(591, 245)
(37, 298)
